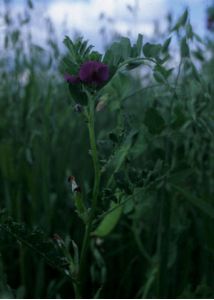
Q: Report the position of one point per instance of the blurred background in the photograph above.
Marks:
(100, 21)
(43, 141)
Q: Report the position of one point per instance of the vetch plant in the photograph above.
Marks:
(88, 75)
(138, 197)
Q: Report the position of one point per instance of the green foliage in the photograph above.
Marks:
(154, 211)
(78, 52)
(152, 50)
(181, 21)
(166, 44)
(37, 241)
(184, 48)
(202, 205)
(154, 121)
(122, 51)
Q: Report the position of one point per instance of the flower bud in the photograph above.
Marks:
(74, 186)
(58, 240)
(78, 108)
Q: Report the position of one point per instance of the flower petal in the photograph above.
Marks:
(103, 72)
(93, 72)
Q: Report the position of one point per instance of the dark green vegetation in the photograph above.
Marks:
(152, 232)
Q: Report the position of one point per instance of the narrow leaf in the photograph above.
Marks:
(203, 206)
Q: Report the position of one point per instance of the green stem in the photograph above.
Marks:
(90, 119)
(164, 233)
(94, 156)
(77, 290)
(163, 245)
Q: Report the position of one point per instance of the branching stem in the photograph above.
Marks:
(89, 113)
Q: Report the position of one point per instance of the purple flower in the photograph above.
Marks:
(91, 72)
(71, 78)
(94, 72)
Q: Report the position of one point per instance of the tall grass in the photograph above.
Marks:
(163, 245)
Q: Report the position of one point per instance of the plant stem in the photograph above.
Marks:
(77, 290)
(94, 156)
(86, 239)
(164, 233)
(163, 245)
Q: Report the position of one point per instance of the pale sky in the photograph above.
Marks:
(83, 16)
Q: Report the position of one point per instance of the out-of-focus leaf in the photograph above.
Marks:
(118, 88)
(179, 118)
(202, 205)
(113, 56)
(37, 241)
(181, 21)
(137, 48)
(5, 290)
(30, 4)
(78, 96)
(125, 48)
(184, 48)
(165, 73)
(79, 51)
(158, 77)
(94, 55)
(189, 31)
(119, 156)
(121, 51)
(154, 121)
(113, 137)
(195, 73)
(198, 54)
(198, 38)
(151, 50)
(166, 44)
(7, 166)
(15, 36)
